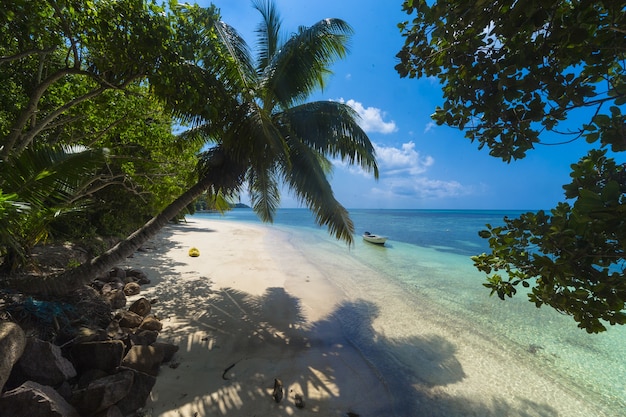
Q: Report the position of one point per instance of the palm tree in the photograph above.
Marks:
(278, 136)
(263, 132)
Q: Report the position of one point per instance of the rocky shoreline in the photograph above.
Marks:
(84, 355)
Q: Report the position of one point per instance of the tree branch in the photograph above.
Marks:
(11, 58)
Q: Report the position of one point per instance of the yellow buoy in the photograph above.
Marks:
(194, 252)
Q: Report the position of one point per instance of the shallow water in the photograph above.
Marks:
(425, 268)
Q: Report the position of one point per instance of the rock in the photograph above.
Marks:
(146, 359)
(33, 399)
(151, 323)
(116, 298)
(140, 277)
(118, 273)
(277, 394)
(87, 334)
(98, 284)
(12, 344)
(114, 284)
(65, 390)
(138, 394)
(132, 288)
(106, 355)
(141, 306)
(43, 362)
(299, 400)
(113, 411)
(130, 319)
(168, 350)
(102, 393)
(143, 337)
(88, 376)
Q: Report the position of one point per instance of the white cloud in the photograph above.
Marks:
(403, 176)
(371, 118)
(429, 126)
(419, 188)
(402, 161)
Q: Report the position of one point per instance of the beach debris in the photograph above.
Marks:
(228, 368)
(194, 252)
(110, 356)
(277, 394)
(299, 400)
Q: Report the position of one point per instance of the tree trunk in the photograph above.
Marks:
(87, 272)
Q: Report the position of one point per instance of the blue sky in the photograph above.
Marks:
(422, 166)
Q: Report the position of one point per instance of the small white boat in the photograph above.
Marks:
(376, 239)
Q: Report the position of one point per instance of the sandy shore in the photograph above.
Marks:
(242, 318)
(252, 308)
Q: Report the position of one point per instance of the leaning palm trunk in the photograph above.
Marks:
(85, 273)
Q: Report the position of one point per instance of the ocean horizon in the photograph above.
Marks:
(427, 258)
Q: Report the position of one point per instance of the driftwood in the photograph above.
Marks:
(277, 394)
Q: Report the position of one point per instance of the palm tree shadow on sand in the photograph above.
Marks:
(233, 344)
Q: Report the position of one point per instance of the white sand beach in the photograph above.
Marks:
(253, 307)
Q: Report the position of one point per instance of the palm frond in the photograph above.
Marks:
(268, 32)
(201, 134)
(255, 136)
(264, 193)
(332, 128)
(303, 62)
(40, 183)
(307, 179)
(240, 59)
(49, 176)
(227, 172)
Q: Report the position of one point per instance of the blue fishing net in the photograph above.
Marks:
(48, 313)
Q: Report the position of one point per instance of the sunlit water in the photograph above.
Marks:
(427, 257)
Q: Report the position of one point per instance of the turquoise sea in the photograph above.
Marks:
(427, 256)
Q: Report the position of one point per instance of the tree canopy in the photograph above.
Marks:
(98, 88)
(514, 76)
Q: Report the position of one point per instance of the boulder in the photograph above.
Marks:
(87, 334)
(146, 359)
(143, 337)
(138, 394)
(12, 344)
(168, 350)
(102, 393)
(141, 306)
(113, 411)
(132, 288)
(115, 297)
(88, 376)
(151, 323)
(106, 355)
(139, 276)
(43, 362)
(33, 399)
(114, 331)
(118, 273)
(129, 319)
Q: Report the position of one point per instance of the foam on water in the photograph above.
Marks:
(404, 294)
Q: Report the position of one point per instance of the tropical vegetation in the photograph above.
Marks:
(515, 75)
(98, 88)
